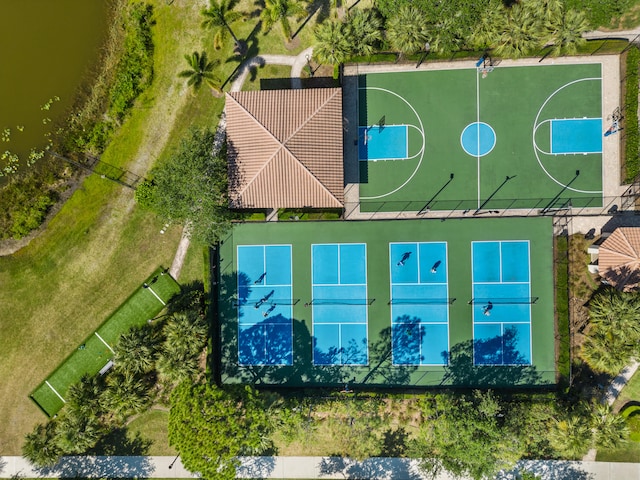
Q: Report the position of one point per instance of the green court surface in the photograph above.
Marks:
(520, 165)
(96, 351)
(459, 368)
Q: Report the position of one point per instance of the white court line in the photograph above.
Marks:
(478, 129)
(155, 294)
(102, 340)
(55, 391)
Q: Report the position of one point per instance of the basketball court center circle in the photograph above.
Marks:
(478, 139)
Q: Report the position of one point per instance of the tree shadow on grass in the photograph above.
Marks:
(121, 442)
(393, 442)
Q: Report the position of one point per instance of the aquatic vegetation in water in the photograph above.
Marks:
(49, 103)
(11, 166)
(6, 135)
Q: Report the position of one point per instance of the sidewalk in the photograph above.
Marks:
(299, 468)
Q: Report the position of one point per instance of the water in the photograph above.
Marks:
(47, 49)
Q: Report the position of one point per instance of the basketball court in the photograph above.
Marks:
(452, 136)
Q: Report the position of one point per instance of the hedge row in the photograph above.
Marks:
(632, 142)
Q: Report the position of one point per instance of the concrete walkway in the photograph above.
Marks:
(300, 467)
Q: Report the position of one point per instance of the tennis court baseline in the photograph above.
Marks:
(419, 303)
(501, 302)
(339, 304)
(265, 305)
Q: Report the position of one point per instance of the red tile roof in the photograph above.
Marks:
(619, 258)
(285, 148)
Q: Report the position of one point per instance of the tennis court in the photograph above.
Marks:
(96, 351)
(535, 124)
(501, 303)
(265, 306)
(388, 303)
(339, 304)
(419, 303)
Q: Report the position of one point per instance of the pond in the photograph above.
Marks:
(47, 49)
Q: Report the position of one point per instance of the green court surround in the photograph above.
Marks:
(443, 102)
(458, 233)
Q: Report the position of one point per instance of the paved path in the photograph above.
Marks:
(299, 467)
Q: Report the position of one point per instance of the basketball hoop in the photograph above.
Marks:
(486, 71)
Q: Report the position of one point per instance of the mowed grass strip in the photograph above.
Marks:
(96, 350)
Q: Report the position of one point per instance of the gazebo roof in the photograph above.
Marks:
(619, 258)
(285, 148)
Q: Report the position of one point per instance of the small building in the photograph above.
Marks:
(616, 258)
(285, 149)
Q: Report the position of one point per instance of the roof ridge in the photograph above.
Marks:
(297, 130)
(259, 123)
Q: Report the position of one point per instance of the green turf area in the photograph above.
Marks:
(517, 103)
(377, 235)
(96, 350)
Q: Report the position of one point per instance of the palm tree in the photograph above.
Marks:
(610, 429)
(135, 352)
(406, 30)
(486, 33)
(523, 31)
(565, 31)
(364, 31)
(78, 433)
(332, 45)
(571, 437)
(40, 447)
(275, 11)
(200, 71)
(85, 397)
(218, 18)
(126, 395)
(613, 336)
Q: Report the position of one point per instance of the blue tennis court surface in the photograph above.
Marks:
(501, 306)
(390, 142)
(339, 305)
(576, 135)
(265, 310)
(419, 303)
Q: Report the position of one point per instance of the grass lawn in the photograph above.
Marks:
(152, 427)
(97, 349)
(95, 251)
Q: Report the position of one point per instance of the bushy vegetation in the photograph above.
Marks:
(191, 188)
(513, 31)
(127, 71)
(472, 434)
(148, 363)
(631, 134)
(601, 13)
(26, 200)
(212, 426)
(613, 335)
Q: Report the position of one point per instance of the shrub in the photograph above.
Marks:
(632, 143)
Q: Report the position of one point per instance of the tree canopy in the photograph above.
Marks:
(191, 188)
(613, 336)
(211, 426)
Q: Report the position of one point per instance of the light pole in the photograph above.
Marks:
(427, 49)
(174, 461)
